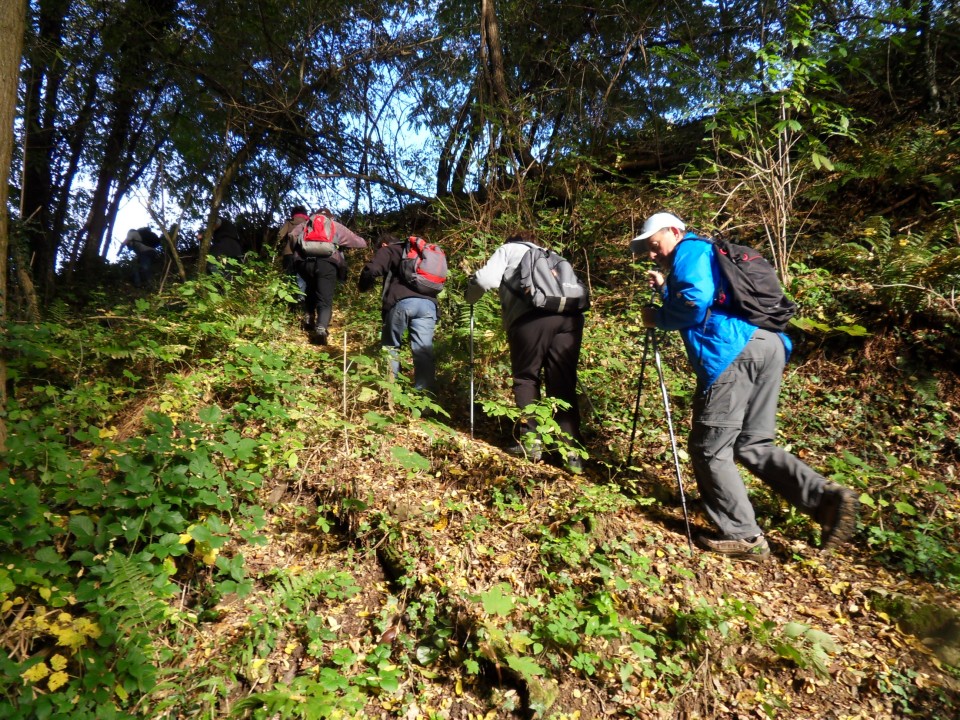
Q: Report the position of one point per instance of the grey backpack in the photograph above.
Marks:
(546, 281)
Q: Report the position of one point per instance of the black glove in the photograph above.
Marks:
(366, 280)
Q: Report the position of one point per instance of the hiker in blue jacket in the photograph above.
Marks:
(540, 342)
(738, 368)
(403, 308)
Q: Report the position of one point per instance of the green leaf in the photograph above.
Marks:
(820, 161)
(410, 459)
(789, 652)
(495, 602)
(525, 666)
(822, 639)
(367, 395)
(211, 414)
(795, 629)
(82, 527)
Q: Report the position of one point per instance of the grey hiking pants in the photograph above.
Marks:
(735, 421)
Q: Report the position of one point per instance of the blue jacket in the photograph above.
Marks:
(713, 339)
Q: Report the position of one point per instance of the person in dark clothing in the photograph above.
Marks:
(738, 368)
(143, 243)
(403, 309)
(540, 342)
(321, 275)
(287, 236)
(225, 244)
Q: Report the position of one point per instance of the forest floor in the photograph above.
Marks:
(485, 586)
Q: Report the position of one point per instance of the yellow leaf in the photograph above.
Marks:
(57, 681)
(210, 558)
(441, 524)
(108, 432)
(68, 637)
(58, 662)
(121, 692)
(185, 538)
(519, 642)
(44, 593)
(36, 673)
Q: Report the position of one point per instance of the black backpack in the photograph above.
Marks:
(149, 238)
(751, 289)
(546, 281)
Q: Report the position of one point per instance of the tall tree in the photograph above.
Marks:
(12, 21)
(138, 80)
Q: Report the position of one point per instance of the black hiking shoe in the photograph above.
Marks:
(319, 336)
(837, 516)
(755, 549)
(530, 447)
(307, 322)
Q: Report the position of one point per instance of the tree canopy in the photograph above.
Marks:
(237, 107)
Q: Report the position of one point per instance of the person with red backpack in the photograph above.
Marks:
(738, 366)
(408, 304)
(319, 260)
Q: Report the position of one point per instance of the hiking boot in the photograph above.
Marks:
(573, 464)
(755, 549)
(837, 515)
(319, 336)
(530, 447)
(307, 322)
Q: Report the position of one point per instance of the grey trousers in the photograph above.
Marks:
(734, 420)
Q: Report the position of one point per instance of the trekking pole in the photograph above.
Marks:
(471, 371)
(636, 405)
(673, 439)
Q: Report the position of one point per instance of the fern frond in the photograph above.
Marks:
(131, 603)
(944, 269)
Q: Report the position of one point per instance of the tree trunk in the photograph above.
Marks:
(930, 55)
(446, 163)
(12, 23)
(219, 192)
(43, 78)
(147, 23)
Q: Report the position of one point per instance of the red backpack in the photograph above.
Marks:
(424, 266)
(317, 238)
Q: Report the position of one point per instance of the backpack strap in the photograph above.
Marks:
(512, 284)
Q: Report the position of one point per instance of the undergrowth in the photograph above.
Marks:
(145, 436)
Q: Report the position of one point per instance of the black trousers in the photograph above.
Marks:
(321, 278)
(547, 343)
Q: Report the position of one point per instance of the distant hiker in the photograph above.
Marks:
(321, 270)
(541, 341)
(144, 243)
(403, 308)
(738, 368)
(287, 236)
(225, 244)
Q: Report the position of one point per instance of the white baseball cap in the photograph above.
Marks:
(657, 222)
